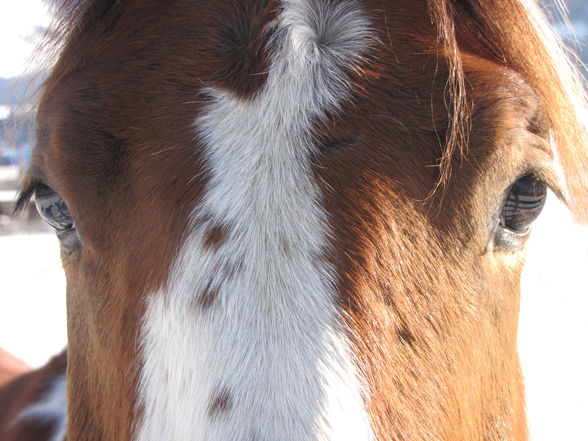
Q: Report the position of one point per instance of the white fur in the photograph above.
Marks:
(52, 407)
(273, 338)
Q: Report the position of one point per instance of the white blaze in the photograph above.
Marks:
(273, 339)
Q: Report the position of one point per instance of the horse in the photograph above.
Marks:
(295, 219)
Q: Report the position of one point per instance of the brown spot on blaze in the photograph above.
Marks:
(215, 236)
(206, 298)
(221, 403)
(208, 295)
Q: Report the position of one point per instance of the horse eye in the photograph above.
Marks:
(53, 209)
(524, 203)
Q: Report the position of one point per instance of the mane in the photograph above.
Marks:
(511, 33)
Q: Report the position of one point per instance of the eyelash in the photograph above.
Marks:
(25, 196)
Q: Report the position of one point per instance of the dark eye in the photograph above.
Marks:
(53, 209)
(523, 204)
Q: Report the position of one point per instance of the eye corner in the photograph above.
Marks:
(507, 240)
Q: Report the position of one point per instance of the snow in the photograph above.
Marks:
(32, 297)
(553, 333)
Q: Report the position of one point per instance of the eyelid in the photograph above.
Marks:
(34, 178)
(24, 197)
(548, 175)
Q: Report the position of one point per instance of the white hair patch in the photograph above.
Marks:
(267, 358)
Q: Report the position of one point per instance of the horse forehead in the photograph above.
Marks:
(226, 45)
(223, 44)
(154, 91)
(151, 96)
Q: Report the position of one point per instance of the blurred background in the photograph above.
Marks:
(553, 336)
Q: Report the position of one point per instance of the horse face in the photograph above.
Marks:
(261, 242)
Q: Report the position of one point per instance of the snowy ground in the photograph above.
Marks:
(553, 337)
(32, 297)
(553, 333)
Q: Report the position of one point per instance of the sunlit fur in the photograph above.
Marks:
(287, 213)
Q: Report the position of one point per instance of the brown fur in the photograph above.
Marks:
(215, 236)
(432, 338)
(431, 306)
